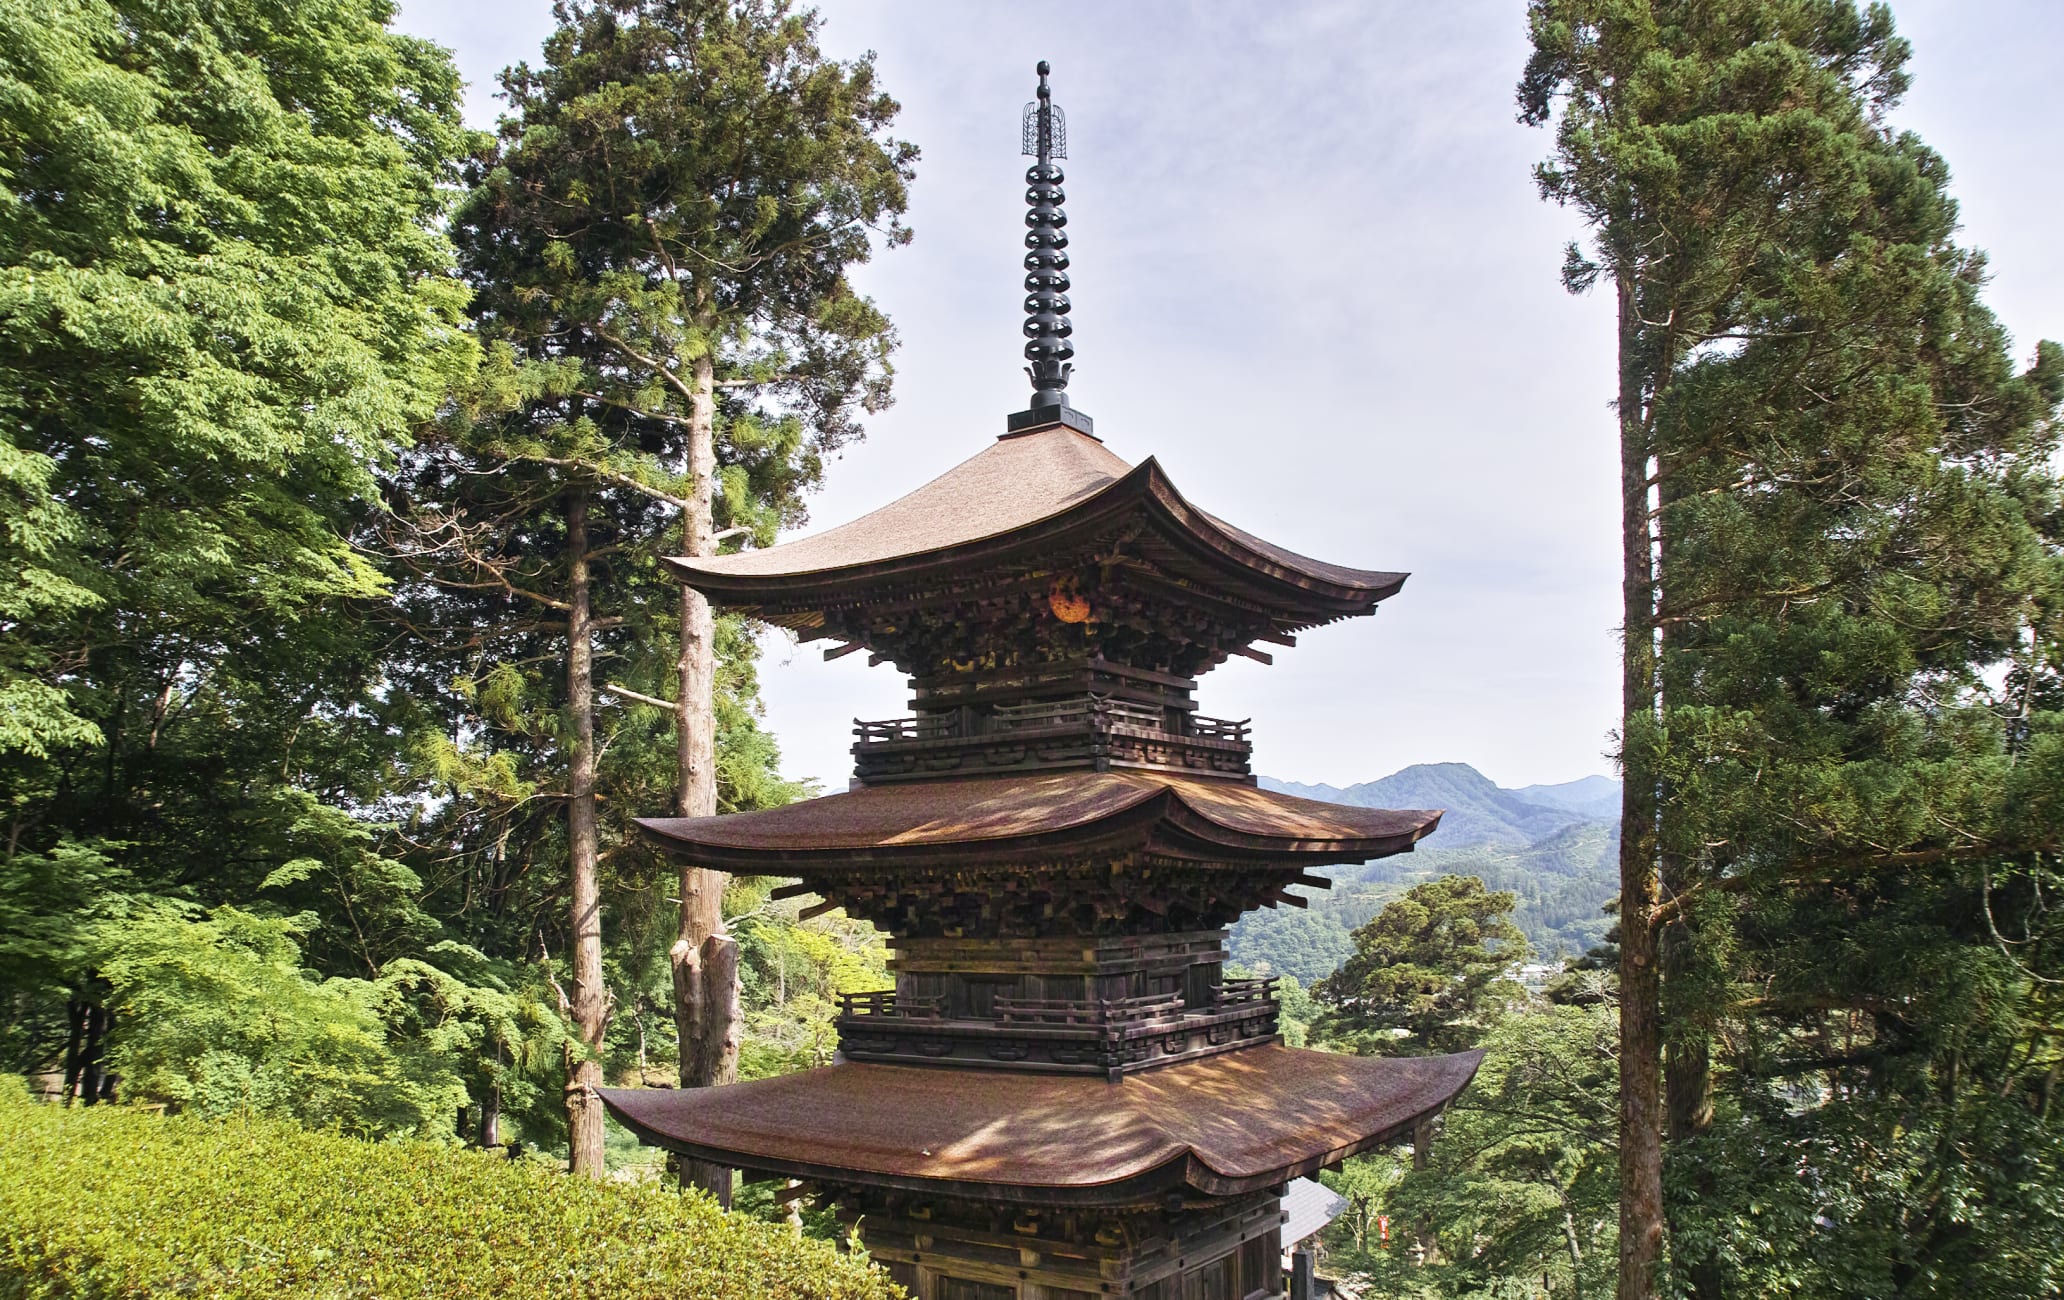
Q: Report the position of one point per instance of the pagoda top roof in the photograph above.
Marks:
(1026, 493)
(1221, 1125)
(1037, 816)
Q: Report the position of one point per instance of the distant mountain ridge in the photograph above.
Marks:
(1554, 846)
(1594, 796)
(1479, 811)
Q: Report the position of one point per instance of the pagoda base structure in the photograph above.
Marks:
(964, 1250)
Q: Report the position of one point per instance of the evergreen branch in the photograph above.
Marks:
(604, 473)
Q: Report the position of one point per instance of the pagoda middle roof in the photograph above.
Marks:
(1028, 493)
(1039, 816)
(1221, 1125)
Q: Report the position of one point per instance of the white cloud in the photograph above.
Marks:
(1313, 278)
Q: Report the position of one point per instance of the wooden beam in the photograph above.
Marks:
(815, 910)
(841, 651)
(1277, 638)
(1249, 652)
(785, 892)
(795, 1191)
(1315, 882)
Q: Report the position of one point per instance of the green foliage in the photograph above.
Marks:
(223, 300)
(791, 974)
(1304, 943)
(1849, 733)
(257, 1208)
(660, 241)
(219, 1017)
(1428, 974)
(1518, 1194)
(229, 323)
(1560, 883)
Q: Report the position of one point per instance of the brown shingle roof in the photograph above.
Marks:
(1221, 1125)
(1016, 481)
(1036, 815)
(1038, 485)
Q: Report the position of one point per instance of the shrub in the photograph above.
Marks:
(114, 1202)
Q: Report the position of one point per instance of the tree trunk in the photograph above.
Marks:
(1641, 1112)
(590, 1002)
(704, 956)
(1576, 1253)
(491, 1119)
(1426, 1238)
(1687, 1078)
(75, 1047)
(93, 1085)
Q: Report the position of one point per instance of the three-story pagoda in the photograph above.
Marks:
(1064, 1095)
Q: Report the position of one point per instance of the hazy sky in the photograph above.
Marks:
(1313, 278)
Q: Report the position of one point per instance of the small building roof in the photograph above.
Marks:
(1308, 1205)
(1222, 1125)
(1034, 817)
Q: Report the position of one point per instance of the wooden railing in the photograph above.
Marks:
(1107, 1035)
(1218, 728)
(1115, 1013)
(1060, 713)
(932, 726)
(1243, 992)
(1007, 718)
(884, 1004)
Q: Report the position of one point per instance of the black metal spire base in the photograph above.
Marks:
(1045, 131)
(1046, 417)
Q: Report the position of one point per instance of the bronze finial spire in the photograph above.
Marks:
(1047, 349)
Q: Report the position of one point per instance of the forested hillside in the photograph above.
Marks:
(1547, 845)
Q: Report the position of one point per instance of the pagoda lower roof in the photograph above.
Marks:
(1220, 1126)
(1041, 817)
(1028, 497)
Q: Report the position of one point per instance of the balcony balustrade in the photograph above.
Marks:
(1112, 1036)
(1089, 731)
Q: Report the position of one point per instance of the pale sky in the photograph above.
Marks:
(1312, 277)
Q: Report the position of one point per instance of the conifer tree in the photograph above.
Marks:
(1832, 490)
(1428, 973)
(661, 244)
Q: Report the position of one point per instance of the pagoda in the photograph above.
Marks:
(1065, 1095)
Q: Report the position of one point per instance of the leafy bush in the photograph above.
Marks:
(113, 1202)
(218, 1016)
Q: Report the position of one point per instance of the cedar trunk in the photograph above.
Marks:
(704, 956)
(1641, 1112)
(589, 1004)
(1687, 1078)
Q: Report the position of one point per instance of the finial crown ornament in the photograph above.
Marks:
(1044, 127)
(1049, 354)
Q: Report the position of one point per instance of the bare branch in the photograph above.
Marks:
(629, 694)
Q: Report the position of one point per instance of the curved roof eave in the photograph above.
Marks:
(1221, 1125)
(1074, 513)
(1041, 816)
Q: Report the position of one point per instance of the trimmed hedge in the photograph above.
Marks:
(108, 1202)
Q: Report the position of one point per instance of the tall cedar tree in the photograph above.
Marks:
(1832, 491)
(224, 301)
(661, 245)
